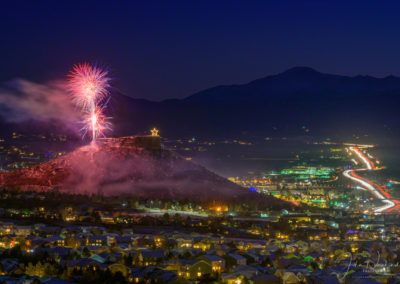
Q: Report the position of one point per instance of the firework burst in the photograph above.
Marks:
(89, 87)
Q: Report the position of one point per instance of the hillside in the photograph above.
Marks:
(135, 166)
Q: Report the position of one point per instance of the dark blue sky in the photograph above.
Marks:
(164, 49)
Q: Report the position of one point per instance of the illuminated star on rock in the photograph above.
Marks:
(154, 132)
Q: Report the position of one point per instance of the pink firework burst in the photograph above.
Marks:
(88, 84)
(89, 87)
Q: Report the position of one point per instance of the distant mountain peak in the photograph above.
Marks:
(301, 70)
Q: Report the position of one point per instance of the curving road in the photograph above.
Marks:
(391, 205)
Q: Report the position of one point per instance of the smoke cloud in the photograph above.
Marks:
(23, 100)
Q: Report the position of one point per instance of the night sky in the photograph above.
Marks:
(166, 49)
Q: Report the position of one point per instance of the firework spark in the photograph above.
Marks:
(96, 122)
(88, 84)
(89, 87)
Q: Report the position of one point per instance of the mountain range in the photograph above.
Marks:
(299, 101)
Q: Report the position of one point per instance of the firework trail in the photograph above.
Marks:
(89, 87)
(96, 122)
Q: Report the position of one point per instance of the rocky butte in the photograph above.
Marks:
(132, 165)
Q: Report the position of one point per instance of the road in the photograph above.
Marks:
(391, 205)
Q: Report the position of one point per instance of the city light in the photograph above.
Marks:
(374, 188)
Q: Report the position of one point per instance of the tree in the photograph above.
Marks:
(128, 260)
(177, 218)
(208, 278)
(30, 269)
(166, 218)
(50, 270)
(16, 252)
(118, 277)
(65, 275)
(314, 265)
(96, 216)
(231, 245)
(169, 244)
(85, 252)
(35, 270)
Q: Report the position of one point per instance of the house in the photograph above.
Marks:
(201, 243)
(333, 236)
(182, 266)
(96, 241)
(137, 275)
(233, 260)
(110, 256)
(106, 217)
(55, 251)
(247, 270)
(6, 228)
(298, 268)
(9, 264)
(264, 279)
(23, 230)
(55, 241)
(48, 231)
(287, 277)
(163, 277)
(184, 242)
(323, 279)
(148, 257)
(82, 263)
(217, 263)
(199, 269)
(118, 267)
(232, 278)
(251, 257)
(123, 240)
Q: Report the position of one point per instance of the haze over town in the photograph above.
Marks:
(199, 142)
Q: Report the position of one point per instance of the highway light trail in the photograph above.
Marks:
(377, 190)
(367, 162)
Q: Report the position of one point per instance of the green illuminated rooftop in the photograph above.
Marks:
(307, 172)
